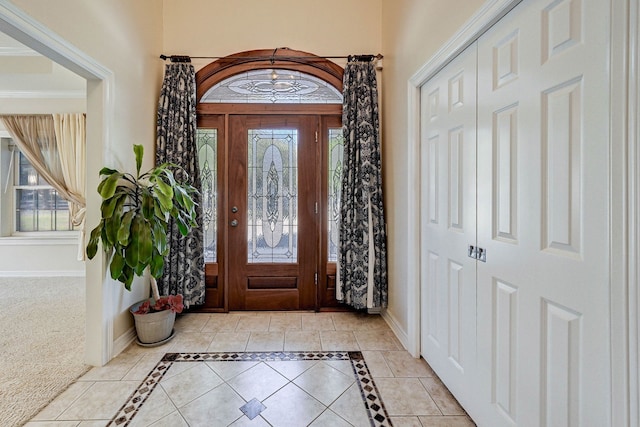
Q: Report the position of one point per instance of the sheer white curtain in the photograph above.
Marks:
(71, 143)
(55, 147)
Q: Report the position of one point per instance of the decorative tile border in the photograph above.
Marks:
(378, 416)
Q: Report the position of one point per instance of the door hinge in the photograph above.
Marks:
(316, 208)
(316, 136)
(315, 279)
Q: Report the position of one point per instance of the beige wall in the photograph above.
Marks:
(412, 32)
(222, 27)
(125, 37)
(46, 258)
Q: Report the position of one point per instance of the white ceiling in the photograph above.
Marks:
(28, 75)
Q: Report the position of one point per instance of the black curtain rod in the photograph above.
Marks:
(184, 58)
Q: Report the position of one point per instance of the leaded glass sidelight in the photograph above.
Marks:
(207, 142)
(336, 153)
(272, 206)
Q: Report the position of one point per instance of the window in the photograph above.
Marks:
(336, 153)
(35, 205)
(273, 86)
(207, 142)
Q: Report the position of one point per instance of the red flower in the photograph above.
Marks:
(144, 308)
(172, 302)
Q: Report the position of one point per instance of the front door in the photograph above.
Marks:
(273, 232)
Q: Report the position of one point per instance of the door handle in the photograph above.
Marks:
(234, 209)
(477, 253)
(234, 223)
(472, 252)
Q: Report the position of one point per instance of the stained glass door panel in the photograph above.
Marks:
(210, 138)
(272, 196)
(332, 146)
(273, 230)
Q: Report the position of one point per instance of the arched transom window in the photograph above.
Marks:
(275, 86)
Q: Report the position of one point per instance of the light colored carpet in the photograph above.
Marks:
(41, 342)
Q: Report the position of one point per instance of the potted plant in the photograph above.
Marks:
(135, 214)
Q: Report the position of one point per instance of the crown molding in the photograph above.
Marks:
(17, 51)
(42, 94)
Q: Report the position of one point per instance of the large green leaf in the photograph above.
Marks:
(164, 188)
(92, 246)
(186, 203)
(107, 187)
(140, 247)
(156, 266)
(182, 226)
(164, 172)
(166, 202)
(139, 151)
(132, 253)
(113, 222)
(159, 212)
(109, 205)
(146, 243)
(117, 264)
(126, 277)
(106, 244)
(107, 171)
(160, 237)
(139, 270)
(147, 205)
(125, 228)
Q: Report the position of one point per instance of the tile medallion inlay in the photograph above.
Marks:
(371, 400)
(252, 408)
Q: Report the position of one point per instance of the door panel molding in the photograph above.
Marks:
(624, 176)
(490, 13)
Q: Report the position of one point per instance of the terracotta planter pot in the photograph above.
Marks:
(153, 327)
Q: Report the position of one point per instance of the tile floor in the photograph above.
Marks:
(325, 393)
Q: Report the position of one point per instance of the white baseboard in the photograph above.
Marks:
(396, 328)
(123, 341)
(54, 273)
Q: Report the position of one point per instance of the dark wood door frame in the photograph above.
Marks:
(216, 115)
(283, 285)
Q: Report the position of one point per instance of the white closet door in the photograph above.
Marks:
(448, 187)
(543, 192)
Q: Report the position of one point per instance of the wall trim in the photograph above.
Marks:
(490, 13)
(625, 213)
(42, 94)
(634, 202)
(124, 340)
(396, 328)
(43, 273)
(38, 241)
(100, 113)
(16, 51)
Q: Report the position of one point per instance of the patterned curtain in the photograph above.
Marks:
(176, 130)
(362, 253)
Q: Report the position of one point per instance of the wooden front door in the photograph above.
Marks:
(272, 226)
